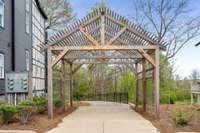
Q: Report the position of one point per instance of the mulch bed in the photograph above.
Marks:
(166, 124)
(40, 122)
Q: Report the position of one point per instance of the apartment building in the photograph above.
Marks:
(22, 29)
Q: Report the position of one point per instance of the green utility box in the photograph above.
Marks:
(16, 87)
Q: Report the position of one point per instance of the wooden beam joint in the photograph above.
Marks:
(117, 36)
(88, 36)
(147, 56)
(59, 57)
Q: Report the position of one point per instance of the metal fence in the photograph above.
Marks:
(121, 97)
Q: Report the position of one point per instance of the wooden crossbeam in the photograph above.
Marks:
(102, 47)
(106, 48)
(117, 36)
(130, 54)
(105, 62)
(79, 56)
(146, 56)
(102, 57)
(58, 58)
(94, 42)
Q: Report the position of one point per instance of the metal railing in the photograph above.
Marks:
(119, 97)
(195, 88)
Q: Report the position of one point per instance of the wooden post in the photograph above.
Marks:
(62, 88)
(191, 95)
(50, 84)
(191, 98)
(157, 82)
(153, 91)
(30, 92)
(136, 87)
(71, 85)
(115, 83)
(144, 84)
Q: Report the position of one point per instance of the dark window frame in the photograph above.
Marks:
(1, 53)
(27, 17)
(29, 62)
(3, 27)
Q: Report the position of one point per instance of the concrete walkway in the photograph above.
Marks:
(101, 117)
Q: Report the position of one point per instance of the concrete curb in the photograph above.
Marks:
(16, 131)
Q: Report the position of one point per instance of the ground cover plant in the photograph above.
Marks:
(8, 112)
(39, 122)
(25, 110)
(182, 117)
(40, 103)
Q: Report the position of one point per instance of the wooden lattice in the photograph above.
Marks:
(104, 36)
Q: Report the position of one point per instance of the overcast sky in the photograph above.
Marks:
(185, 61)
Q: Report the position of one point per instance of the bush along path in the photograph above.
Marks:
(23, 111)
(32, 115)
(174, 118)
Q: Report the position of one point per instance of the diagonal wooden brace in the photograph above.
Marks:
(89, 36)
(58, 58)
(76, 69)
(147, 56)
(117, 36)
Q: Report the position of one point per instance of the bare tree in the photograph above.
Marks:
(59, 13)
(101, 4)
(170, 20)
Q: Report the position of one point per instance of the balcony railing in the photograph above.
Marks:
(195, 88)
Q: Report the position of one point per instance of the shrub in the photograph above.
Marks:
(182, 117)
(58, 103)
(41, 104)
(26, 108)
(183, 94)
(8, 112)
(168, 97)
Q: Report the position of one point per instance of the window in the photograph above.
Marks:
(27, 60)
(28, 5)
(2, 59)
(38, 35)
(27, 23)
(2, 6)
(27, 16)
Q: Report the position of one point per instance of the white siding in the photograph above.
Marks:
(38, 37)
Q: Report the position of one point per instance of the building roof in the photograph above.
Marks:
(41, 9)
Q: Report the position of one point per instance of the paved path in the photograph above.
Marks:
(101, 117)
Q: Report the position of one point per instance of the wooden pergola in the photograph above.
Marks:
(104, 36)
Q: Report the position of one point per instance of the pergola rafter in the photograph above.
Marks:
(105, 37)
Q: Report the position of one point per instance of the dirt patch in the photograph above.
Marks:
(166, 124)
(40, 122)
